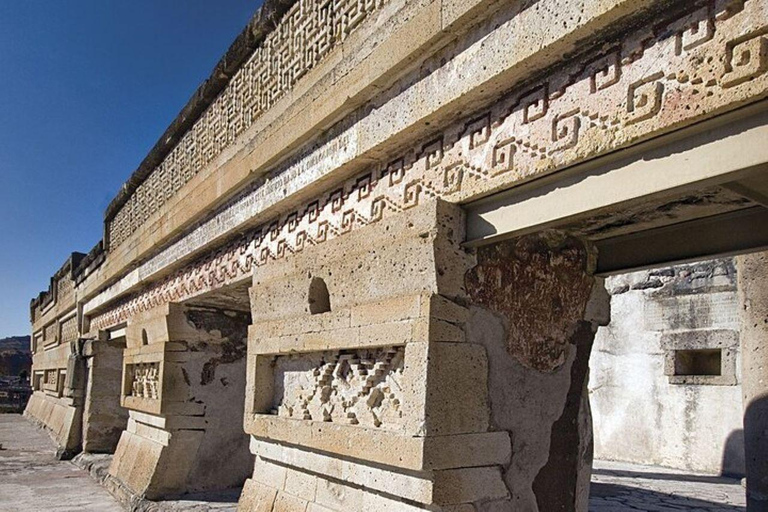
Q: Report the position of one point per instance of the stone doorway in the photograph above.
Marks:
(183, 384)
(674, 200)
(665, 387)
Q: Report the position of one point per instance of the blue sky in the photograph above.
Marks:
(86, 89)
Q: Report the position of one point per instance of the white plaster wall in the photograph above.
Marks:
(639, 416)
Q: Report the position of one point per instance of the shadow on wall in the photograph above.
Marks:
(733, 455)
(756, 447)
(646, 475)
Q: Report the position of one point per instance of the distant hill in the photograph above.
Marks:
(15, 356)
(15, 343)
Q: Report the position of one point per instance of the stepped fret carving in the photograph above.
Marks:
(144, 380)
(306, 34)
(642, 85)
(353, 387)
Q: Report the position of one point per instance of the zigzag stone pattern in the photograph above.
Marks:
(144, 380)
(305, 35)
(353, 387)
(711, 59)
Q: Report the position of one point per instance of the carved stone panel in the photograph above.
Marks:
(353, 387)
(308, 32)
(143, 380)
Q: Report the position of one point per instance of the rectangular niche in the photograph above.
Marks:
(347, 387)
(701, 357)
(142, 381)
(37, 380)
(53, 381)
(701, 362)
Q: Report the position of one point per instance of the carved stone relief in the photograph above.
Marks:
(657, 78)
(144, 380)
(353, 387)
(305, 35)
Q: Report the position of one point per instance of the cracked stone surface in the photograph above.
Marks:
(620, 487)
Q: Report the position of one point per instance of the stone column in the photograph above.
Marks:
(184, 385)
(104, 418)
(364, 393)
(536, 308)
(391, 369)
(753, 294)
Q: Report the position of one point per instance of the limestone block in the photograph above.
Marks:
(456, 399)
(406, 245)
(339, 497)
(256, 497)
(293, 469)
(288, 503)
(302, 485)
(60, 417)
(467, 450)
(269, 474)
(135, 461)
(395, 309)
(467, 485)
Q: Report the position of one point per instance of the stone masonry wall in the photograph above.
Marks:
(645, 413)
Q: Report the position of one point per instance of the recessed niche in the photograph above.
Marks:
(319, 298)
(701, 362)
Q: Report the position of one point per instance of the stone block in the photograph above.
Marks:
(269, 474)
(456, 399)
(468, 485)
(302, 485)
(256, 497)
(338, 497)
(288, 503)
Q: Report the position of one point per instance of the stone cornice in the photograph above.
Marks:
(694, 65)
(259, 27)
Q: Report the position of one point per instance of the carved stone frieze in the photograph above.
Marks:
(69, 330)
(305, 35)
(710, 59)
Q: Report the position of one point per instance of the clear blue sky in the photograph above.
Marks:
(86, 89)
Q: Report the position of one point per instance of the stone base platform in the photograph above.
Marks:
(98, 467)
(60, 418)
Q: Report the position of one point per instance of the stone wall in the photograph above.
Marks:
(650, 401)
(389, 366)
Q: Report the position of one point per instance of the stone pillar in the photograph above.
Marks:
(753, 294)
(59, 381)
(390, 369)
(364, 393)
(104, 418)
(184, 385)
(536, 308)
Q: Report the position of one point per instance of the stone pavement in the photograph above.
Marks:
(32, 480)
(620, 487)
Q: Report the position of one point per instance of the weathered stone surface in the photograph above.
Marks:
(644, 413)
(540, 285)
(184, 383)
(753, 280)
(103, 417)
(387, 367)
(545, 364)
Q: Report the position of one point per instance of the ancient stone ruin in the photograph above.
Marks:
(365, 267)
